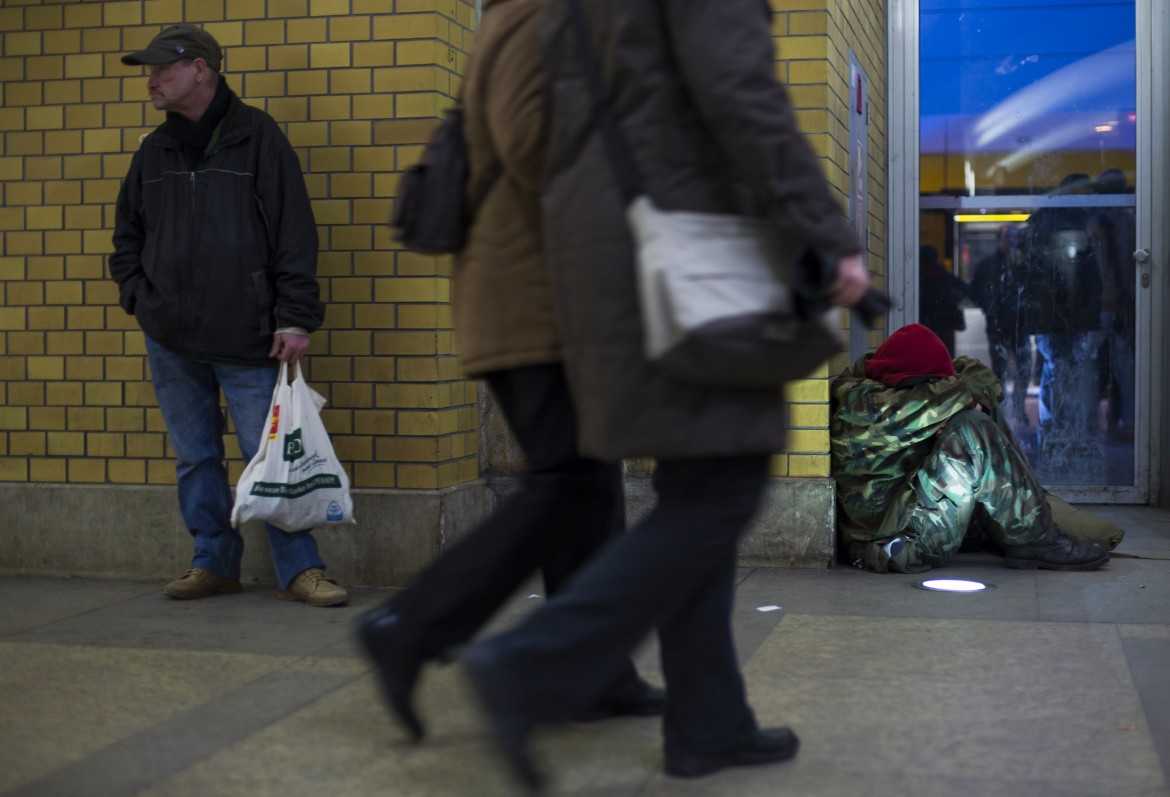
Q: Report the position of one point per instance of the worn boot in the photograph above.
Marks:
(199, 583)
(887, 556)
(1058, 552)
(314, 589)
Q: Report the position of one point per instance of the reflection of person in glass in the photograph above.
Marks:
(1063, 306)
(995, 287)
(1112, 234)
(939, 295)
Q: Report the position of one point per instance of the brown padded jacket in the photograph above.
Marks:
(502, 307)
(693, 83)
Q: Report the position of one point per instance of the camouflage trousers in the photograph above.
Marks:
(975, 469)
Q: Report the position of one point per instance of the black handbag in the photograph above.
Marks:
(433, 212)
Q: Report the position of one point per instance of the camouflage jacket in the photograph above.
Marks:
(880, 436)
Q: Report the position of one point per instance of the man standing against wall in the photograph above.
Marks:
(215, 254)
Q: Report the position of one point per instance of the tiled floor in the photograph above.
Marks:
(1048, 684)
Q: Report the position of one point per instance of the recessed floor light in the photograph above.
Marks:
(953, 585)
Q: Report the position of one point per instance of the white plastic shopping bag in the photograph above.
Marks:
(295, 481)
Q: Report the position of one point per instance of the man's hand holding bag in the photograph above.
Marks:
(295, 481)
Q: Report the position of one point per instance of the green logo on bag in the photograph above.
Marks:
(294, 449)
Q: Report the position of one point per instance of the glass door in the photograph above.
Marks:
(1027, 133)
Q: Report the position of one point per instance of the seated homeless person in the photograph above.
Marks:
(920, 449)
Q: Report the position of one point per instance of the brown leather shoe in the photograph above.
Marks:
(199, 583)
(314, 589)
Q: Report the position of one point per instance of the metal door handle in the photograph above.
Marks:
(1142, 256)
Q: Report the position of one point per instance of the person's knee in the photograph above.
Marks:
(971, 434)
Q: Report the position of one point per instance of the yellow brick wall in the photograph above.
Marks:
(813, 40)
(358, 86)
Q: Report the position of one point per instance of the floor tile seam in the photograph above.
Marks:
(290, 660)
(1068, 785)
(75, 616)
(743, 574)
(1138, 630)
(29, 789)
(935, 619)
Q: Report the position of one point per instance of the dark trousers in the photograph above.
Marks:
(568, 507)
(674, 571)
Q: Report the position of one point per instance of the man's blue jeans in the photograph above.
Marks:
(188, 395)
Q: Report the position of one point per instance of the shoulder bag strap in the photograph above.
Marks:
(617, 147)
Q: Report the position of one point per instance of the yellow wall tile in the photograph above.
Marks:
(47, 418)
(350, 81)
(63, 444)
(374, 475)
(27, 444)
(373, 54)
(105, 445)
(13, 469)
(47, 470)
(293, 56)
(349, 28)
(240, 60)
(329, 108)
(288, 8)
(23, 94)
(263, 31)
(13, 369)
(418, 477)
(103, 394)
(206, 11)
(264, 84)
(307, 30)
(11, 19)
(24, 293)
(43, 18)
(24, 343)
(46, 367)
(162, 12)
(102, 141)
(290, 109)
(160, 472)
(127, 471)
(405, 78)
(125, 419)
(374, 422)
(148, 446)
(21, 44)
(327, 56)
(82, 471)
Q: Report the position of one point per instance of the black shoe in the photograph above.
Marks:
(768, 746)
(382, 633)
(510, 726)
(1058, 553)
(634, 698)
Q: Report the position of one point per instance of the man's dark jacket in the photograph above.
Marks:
(213, 260)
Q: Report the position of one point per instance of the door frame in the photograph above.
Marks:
(1152, 195)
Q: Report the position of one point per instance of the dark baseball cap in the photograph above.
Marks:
(176, 42)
